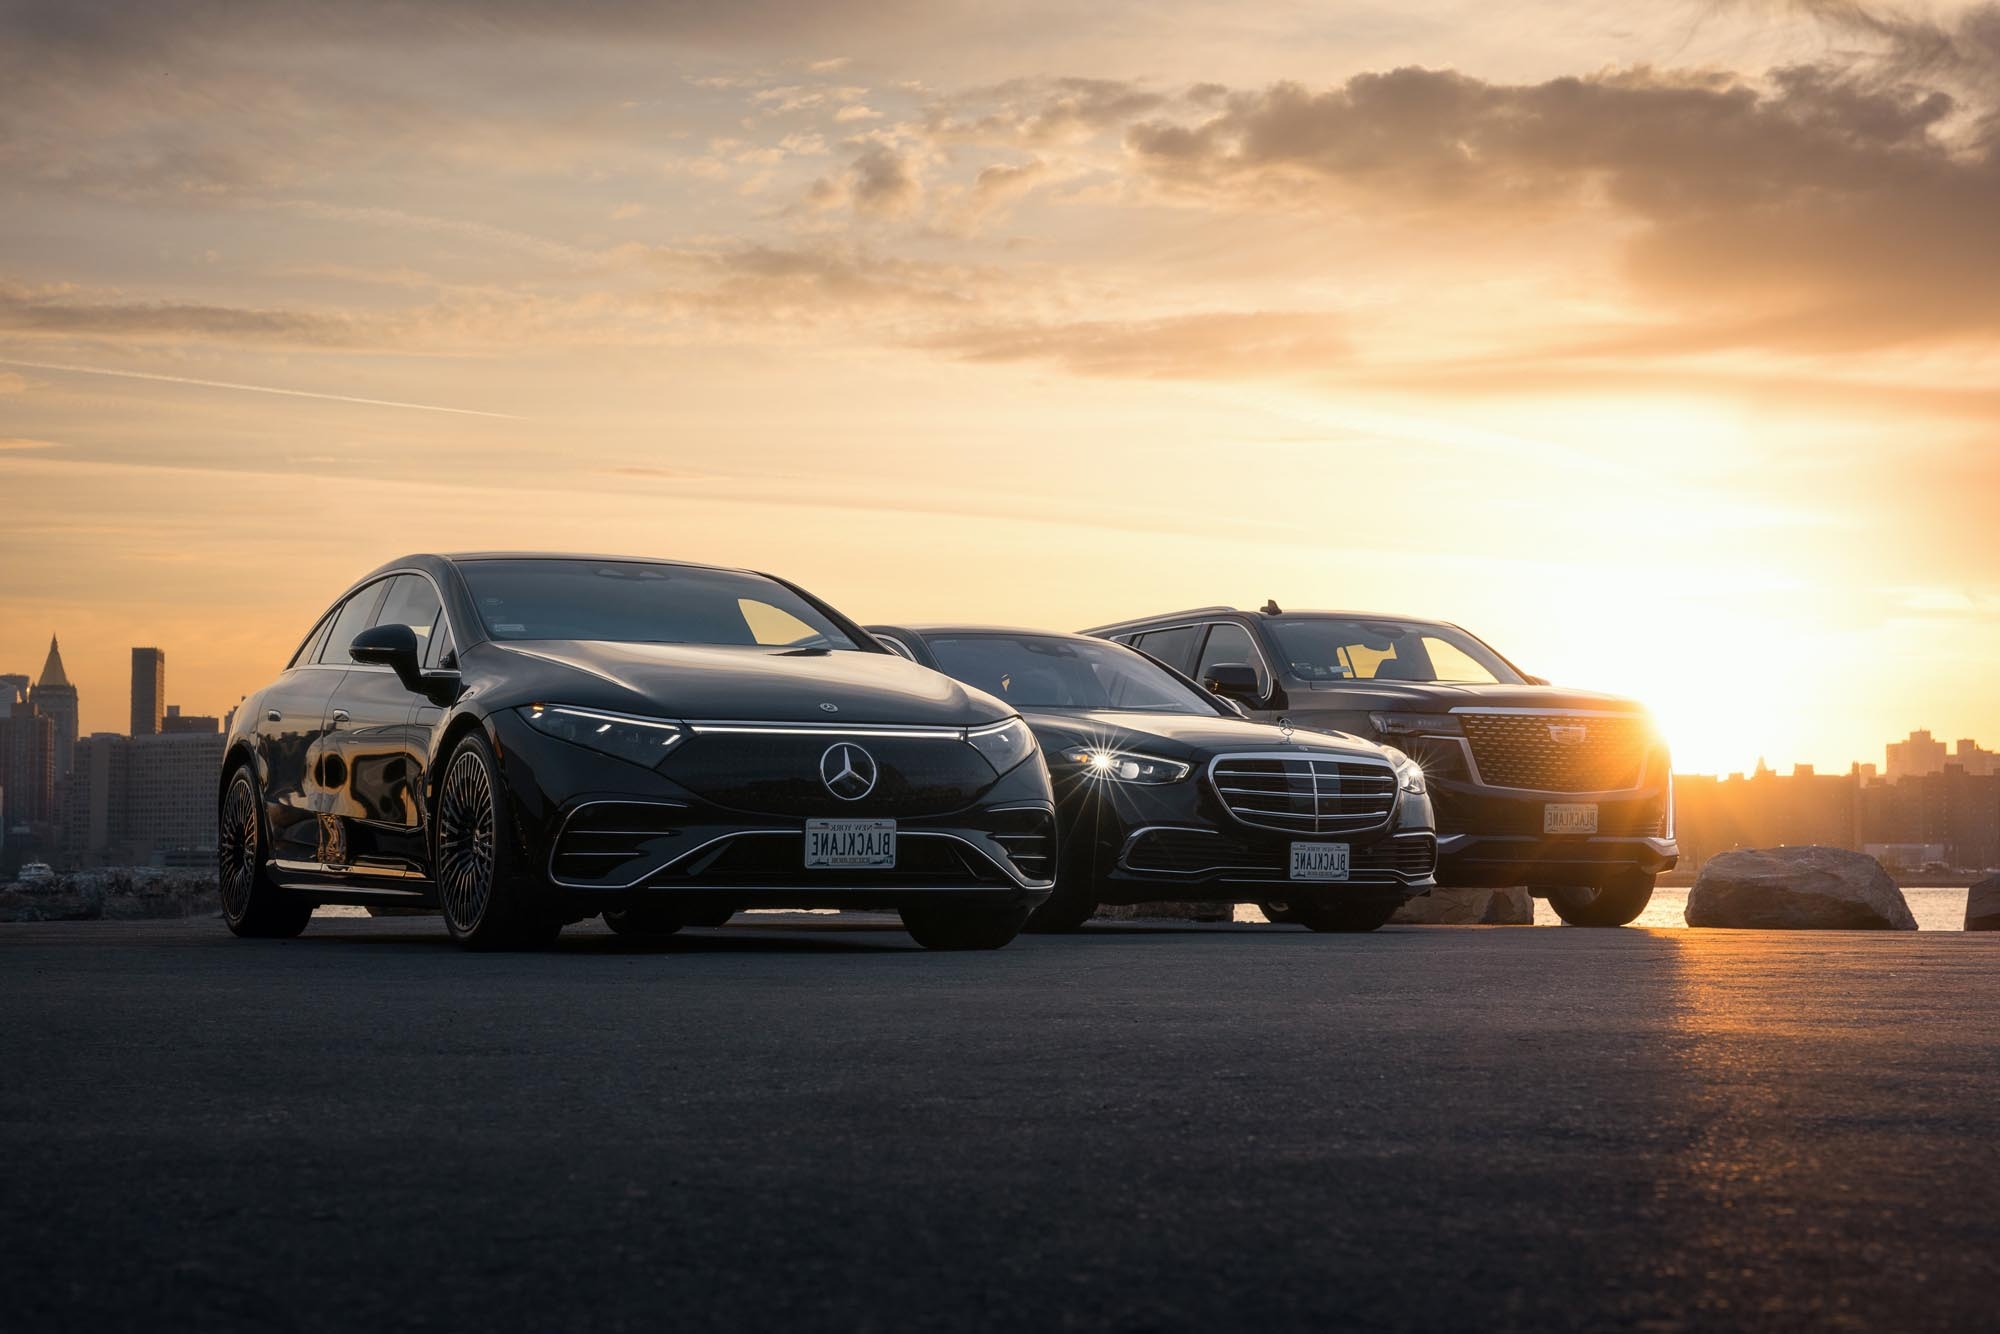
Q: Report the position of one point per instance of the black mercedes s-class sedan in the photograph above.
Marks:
(1568, 792)
(523, 741)
(1165, 791)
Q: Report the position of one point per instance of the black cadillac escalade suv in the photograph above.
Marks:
(1566, 791)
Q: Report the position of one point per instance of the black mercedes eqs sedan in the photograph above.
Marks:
(523, 741)
(1165, 791)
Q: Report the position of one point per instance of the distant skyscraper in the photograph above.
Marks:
(177, 723)
(55, 699)
(1920, 754)
(13, 693)
(149, 690)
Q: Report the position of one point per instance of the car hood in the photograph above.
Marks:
(1184, 732)
(1440, 697)
(699, 681)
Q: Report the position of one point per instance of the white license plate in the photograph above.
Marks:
(1319, 861)
(1569, 817)
(835, 844)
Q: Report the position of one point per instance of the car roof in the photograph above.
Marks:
(585, 556)
(927, 629)
(1302, 614)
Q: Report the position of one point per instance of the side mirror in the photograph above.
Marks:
(394, 647)
(1233, 681)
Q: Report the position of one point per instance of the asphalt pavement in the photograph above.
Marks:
(809, 1124)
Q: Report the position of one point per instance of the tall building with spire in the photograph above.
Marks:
(55, 699)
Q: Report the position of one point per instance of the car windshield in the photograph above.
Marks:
(639, 603)
(1329, 648)
(1050, 672)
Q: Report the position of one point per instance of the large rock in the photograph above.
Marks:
(1982, 905)
(119, 892)
(1798, 889)
(1468, 907)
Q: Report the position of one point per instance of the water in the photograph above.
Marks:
(1934, 909)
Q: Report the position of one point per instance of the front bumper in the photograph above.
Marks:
(604, 832)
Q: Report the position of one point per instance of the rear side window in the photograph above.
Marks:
(310, 649)
(355, 615)
(1173, 647)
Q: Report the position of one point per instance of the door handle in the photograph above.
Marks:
(273, 716)
(340, 715)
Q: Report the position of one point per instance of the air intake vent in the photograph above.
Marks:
(1029, 837)
(607, 843)
(1305, 794)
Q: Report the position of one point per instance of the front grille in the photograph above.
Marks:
(1029, 838)
(614, 842)
(1194, 851)
(779, 774)
(1563, 752)
(1305, 794)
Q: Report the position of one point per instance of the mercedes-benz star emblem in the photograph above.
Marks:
(847, 770)
(829, 708)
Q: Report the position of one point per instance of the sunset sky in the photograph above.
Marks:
(1658, 344)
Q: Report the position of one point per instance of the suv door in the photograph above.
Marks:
(373, 733)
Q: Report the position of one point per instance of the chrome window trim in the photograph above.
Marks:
(444, 613)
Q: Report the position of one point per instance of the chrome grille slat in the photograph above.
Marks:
(1314, 794)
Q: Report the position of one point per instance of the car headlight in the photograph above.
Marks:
(642, 741)
(1409, 774)
(1415, 724)
(1124, 766)
(1003, 744)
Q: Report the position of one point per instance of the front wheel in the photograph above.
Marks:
(1615, 904)
(489, 899)
(252, 904)
(949, 927)
(1279, 914)
(1345, 915)
(643, 921)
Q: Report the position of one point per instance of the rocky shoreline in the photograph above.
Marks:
(118, 894)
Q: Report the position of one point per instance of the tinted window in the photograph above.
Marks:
(635, 603)
(310, 649)
(1230, 642)
(1323, 648)
(1173, 647)
(354, 616)
(1046, 672)
(412, 602)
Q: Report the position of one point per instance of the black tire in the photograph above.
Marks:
(490, 900)
(946, 926)
(1280, 914)
(1345, 914)
(707, 916)
(253, 904)
(1615, 904)
(643, 921)
(1074, 899)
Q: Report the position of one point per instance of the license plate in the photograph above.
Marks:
(1572, 817)
(836, 844)
(1319, 861)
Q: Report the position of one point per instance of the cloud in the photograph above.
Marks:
(16, 443)
(62, 315)
(1211, 345)
(883, 183)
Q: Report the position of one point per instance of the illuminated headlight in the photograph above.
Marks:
(1125, 767)
(1409, 774)
(643, 741)
(1003, 744)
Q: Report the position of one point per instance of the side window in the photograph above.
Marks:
(441, 648)
(1173, 647)
(355, 615)
(1230, 642)
(413, 602)
(310, 649)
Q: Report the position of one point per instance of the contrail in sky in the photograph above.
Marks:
(255, 388)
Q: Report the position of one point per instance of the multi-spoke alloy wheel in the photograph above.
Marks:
(251, 904)
(490, 901)
(465, 841)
